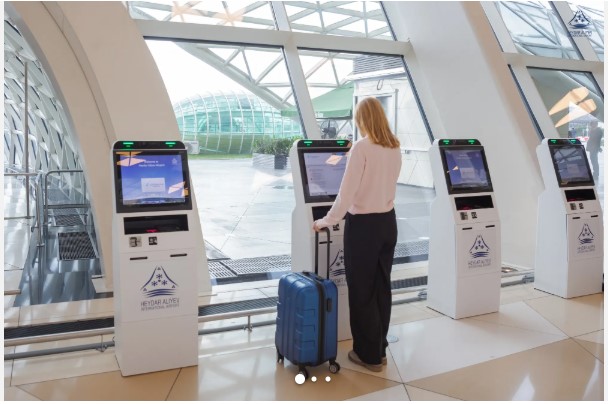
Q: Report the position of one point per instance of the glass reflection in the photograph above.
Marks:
(576, 107)
(536, 29)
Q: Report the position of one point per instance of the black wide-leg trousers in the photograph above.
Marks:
(369, 246)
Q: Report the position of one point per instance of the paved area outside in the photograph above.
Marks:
(246, 211)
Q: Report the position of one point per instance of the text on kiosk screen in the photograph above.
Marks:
(324, 172)
(152, 179)
(466, 168)
(571, 164)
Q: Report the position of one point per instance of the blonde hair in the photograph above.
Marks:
(372, 122)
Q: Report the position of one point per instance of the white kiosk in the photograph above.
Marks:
(570, 232)
(155, 277)
(464, 254)
(317, 168)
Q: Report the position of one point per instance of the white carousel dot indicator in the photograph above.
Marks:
(300, 378)
(314, 379)
(328, 379)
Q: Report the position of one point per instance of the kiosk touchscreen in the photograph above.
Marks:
(317, 168)
(570, 233)
(155, 258)
(464, 254)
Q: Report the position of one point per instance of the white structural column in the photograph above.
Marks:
(111, 89)
(471, 94)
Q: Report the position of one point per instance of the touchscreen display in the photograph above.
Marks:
(151, 179)
(324, 172)
(466, 170)
(571, 165)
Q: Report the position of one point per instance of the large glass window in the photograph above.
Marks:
(336, 82)
(343, 18)
(233, 13)
(536, 29)
(235, 109)
(576, 107)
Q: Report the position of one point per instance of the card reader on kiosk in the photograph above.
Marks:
(317, 168)
(464, 254)
(570, 232)
(155, 257)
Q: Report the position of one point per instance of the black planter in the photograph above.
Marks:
(280, 161)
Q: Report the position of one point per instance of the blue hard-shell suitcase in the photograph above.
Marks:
(307, 318)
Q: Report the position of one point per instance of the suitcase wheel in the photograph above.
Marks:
(279, 356)
(303, 371)
(334, 367)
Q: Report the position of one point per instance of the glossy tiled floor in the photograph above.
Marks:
(537, 347)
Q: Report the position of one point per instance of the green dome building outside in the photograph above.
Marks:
(230, 122)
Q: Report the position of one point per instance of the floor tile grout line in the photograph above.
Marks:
(27, 392)
(577, 341)
(430, 391)
(563, 334)
(552, 323)
(173, 384)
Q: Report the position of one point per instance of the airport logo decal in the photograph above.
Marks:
(158, 285)
(586, 237)
(480, 248)
(580, 24)
(580, 20)
(586, 240)
(479, 254)
(337, 270)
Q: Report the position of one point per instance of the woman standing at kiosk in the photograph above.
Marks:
(366, 197)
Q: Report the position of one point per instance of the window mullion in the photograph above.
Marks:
(300, 89)
(535, 101)
(280, 15)
(498, 26)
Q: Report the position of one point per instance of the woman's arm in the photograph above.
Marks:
(348, 188)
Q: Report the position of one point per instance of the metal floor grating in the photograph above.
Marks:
(260, 265)
(64, 211)
(238, 306)
(218, 271)
(75, 246)
(412, 248)
(409, 283)
(57, 195)
(68, 220)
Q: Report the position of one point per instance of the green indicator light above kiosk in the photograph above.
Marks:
(170, 144)
(471, 141)
(553, 141)
(341, 142)
(446, 142)
(308, 142)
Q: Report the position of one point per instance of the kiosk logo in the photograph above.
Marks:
(580, 24)
(586, 240)
(337, 271)
(159, 284)
(479, 254)
(155, 288)
(480, 248)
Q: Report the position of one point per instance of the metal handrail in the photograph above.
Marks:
(46, 194)
(27, 194)
(110, 330)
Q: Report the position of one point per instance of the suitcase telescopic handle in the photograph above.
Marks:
(317, 250)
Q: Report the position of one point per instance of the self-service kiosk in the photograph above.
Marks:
(464, 254)
(570, 232)
(155, 258)
(318, 167)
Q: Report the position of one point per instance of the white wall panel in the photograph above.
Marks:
(468, 92)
